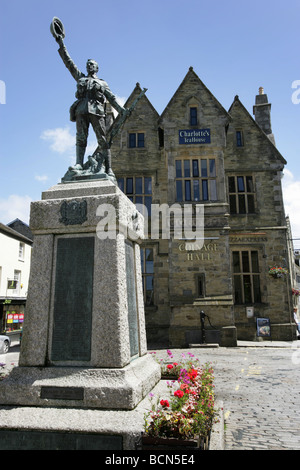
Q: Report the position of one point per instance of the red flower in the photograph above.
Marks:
(169, 366)
(175, 364)
(193, 374)
(178, 393)
(165, 403)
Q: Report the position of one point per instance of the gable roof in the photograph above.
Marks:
(191, 74)
(21, 227)
(14, 234)
(136, 91)
(237, 102)
(116, 122)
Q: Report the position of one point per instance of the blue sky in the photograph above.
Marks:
(234, 47)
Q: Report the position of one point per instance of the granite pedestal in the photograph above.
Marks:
(84, 340)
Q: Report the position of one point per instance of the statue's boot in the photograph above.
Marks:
(80, 151)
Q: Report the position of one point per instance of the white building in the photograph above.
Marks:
(15, 257)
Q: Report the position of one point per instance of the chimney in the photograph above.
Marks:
(262, 113)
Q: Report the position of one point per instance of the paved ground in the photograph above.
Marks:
(259, 384)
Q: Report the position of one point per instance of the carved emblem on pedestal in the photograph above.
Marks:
(73, 212)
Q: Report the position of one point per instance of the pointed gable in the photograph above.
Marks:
(144, 106)
(256, 148)
(140, 127)
(192, 91)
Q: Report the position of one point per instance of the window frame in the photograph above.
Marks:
(244, 279)
(239, 138)
(193, 117)
(21, 255)
(239, 197)
(147, 276)
(200, 285)
(196, 179)
(136, 140)
(133, 183)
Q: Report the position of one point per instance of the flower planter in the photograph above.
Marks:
(172, 443)
(277, 273)
(169, 377)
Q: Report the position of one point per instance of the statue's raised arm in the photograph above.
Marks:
(58, 31)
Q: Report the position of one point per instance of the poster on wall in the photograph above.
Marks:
(250, 312)
(12, 284)
(263, 327)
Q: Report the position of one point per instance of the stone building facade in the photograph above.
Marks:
(197, 156)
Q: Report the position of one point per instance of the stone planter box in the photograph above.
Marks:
(170, 443)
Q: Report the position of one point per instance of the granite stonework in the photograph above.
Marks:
(84, 341)
(53, 428)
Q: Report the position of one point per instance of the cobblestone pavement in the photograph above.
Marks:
(259, 387)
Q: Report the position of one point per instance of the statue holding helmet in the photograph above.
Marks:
(89, 109)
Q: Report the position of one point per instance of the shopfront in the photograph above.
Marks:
(12, 318)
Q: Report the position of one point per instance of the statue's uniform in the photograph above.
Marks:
(89, 108)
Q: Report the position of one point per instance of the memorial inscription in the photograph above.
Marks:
(62, 393)
(72, 316)
(49, 440)
(131, 298)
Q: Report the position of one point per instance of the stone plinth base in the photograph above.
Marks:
(84, 339)
(81, 387)
(31, 428)
(228, 336)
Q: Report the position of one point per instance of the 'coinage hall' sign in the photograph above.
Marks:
(194, 136)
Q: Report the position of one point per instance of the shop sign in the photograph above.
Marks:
(12, 284)
(10, 318)
(248, 237)
(194, 136)
(16, 318)
(21, 317)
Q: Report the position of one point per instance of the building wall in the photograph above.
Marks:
(11, 262)
(15, 257)
(265, 230)
(201, 275)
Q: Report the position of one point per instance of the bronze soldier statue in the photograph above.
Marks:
(89, 107)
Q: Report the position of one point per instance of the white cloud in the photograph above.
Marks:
(64, 142)
(15, 207)
(291, 197)
(41, 178)
(61, 140)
